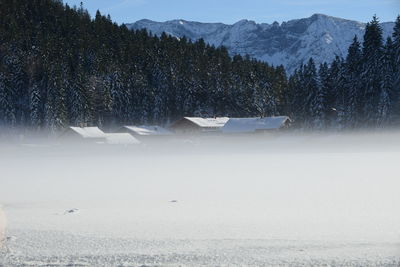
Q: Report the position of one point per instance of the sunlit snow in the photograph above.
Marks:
(285, 199)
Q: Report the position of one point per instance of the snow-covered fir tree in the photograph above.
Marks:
(372, 70)
(35, 104)
(389, 96)
(7, 110)
(312, 108)
(352, 84)
(396, 70)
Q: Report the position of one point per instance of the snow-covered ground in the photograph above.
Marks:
(2, 226)
(217, 201)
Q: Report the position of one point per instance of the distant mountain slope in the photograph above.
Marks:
(290, 43)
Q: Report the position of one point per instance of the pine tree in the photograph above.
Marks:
(80, 98)
(384, 108)
(352, 84)
(338, 93)
(372, 71)
(7, 109)
(115, 87)
(280, 90)
(299, 97)
(396, 70)
(389, 96)
(55, 110)
(17, 84)
(102, 102)
(315, 98)
(325, 87)
(35, 106)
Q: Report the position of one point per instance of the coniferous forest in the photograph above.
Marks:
(60, 67)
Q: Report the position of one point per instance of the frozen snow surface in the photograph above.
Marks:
(269, 200)
(2, 227)
(72, 250)
(289, 43)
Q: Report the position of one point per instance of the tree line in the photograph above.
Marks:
(360, 91)
(60, 67)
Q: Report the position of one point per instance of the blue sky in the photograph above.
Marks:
(230, 11)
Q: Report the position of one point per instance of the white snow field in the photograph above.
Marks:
(271, 200)
(2, 227)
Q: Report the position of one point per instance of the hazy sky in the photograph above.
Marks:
(230, 11)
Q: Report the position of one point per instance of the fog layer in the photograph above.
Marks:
(319, 187)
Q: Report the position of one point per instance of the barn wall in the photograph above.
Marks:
(185, 126)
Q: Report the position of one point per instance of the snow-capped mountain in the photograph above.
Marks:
(289, 43)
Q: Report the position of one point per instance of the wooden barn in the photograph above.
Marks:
(121, 139)
(86, 134)
(256, 125)
(97, 136)
(198, 125)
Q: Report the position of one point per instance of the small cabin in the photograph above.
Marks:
(256, 125)
(199, 125)
(97, 136)
(86, 134)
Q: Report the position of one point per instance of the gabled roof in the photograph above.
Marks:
(249, 125)
(89, 132)
(208, 122)
(121, 139)
(147, 130)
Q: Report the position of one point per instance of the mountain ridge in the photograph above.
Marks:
(290, 43)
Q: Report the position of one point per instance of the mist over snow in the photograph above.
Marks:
(291, 198)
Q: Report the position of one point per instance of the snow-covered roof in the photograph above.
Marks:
(208, 122)
(121, 139)
(108, 138)
(249, 125)
(89, 132)
(148, 130)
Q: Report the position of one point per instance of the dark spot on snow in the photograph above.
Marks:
(71, 211)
